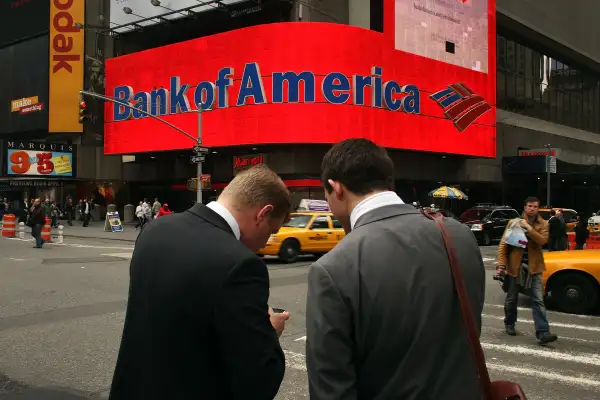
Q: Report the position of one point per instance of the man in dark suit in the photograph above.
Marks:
(198, 325)
(383, 319)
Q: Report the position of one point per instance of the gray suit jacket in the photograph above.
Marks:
(383, 319)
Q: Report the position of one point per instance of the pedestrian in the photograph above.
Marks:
(86, 212)
(523, 267)
(383, 319)
(164, 210)
(581, 232)
(557, 240)
(36, 222)
(69, 209)
(156, 207)
(198, 325)
(147, 211)
(139, 214)
(54, 214)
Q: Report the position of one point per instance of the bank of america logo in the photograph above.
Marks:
(461, 105)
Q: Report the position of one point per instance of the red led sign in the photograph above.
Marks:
(261, 85)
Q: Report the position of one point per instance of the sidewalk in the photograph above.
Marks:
(94, 231)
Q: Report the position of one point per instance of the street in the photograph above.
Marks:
(62, 310)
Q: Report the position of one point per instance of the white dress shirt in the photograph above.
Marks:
(226, 215)
(371, 203)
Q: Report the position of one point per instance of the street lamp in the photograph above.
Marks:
(197, 139)
(548, 159)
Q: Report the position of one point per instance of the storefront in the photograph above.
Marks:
(266, 97)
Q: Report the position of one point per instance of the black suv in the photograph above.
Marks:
(488, 221)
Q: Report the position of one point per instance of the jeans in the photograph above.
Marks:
(538, 308)
(36, 232)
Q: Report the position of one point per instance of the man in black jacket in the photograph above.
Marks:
(198, 325)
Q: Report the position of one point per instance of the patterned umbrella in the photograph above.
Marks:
(447, 192)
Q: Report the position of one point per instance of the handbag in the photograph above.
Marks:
(497, 390)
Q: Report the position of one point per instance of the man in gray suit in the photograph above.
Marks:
(383, 319)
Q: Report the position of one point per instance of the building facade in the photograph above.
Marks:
(45, 150)
(546, 89)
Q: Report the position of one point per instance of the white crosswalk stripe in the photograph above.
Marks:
(573, 362)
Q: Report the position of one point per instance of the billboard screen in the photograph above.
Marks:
(264, 86)
(22, 19)
(452, 31)
(39, 159)
(24, 86)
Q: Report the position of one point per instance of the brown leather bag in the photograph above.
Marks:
(497, 390)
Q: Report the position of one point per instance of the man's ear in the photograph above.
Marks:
(337, 188)
(265, 212)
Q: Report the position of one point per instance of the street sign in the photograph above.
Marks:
(197, 159)
(551, 165)
(205, 178)
(201, 150)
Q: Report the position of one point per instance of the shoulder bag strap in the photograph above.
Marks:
(466, 311)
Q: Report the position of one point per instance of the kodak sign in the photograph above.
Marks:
(66, 65)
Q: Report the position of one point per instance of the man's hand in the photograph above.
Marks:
(278, 320)
(525, 225)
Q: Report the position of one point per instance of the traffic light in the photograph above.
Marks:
(83, 115)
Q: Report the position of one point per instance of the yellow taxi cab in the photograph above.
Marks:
(572, 280)
(569, 215)
(307, 232)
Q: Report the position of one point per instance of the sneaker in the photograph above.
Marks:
(510, 330)
(546, 338)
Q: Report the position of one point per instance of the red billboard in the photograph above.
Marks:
(291, 83)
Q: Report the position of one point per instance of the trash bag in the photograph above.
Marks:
(515, 235)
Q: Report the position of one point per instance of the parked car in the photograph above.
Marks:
(572, 280)
(304, 233)
(488, 221)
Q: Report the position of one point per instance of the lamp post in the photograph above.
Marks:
(548, 176)
(197, 139)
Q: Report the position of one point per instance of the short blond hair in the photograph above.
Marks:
(256, 187)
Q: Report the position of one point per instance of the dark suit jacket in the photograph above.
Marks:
(383, 318)
(197, 323)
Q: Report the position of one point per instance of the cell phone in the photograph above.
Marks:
(278, 310)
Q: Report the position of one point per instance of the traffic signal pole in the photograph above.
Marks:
(197, 139)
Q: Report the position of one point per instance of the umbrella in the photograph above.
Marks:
(447, 192)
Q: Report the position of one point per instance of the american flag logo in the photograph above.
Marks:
(461, 105)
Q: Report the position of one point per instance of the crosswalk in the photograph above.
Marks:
(566, 369)
(569, 368)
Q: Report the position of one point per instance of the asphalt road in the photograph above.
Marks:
(62, 310)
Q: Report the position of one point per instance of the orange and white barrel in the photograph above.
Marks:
(46, 231)
(9, 225)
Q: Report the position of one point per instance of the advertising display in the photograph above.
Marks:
(21, 19)
(112, 222)
(66, 65)
(39, 159)
(261, 85)
(24, 86)
(452, 31)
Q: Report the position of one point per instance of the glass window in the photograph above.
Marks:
(298, 221)
(336, 224)
(473, 214)
(321, 222)
(541, 86)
